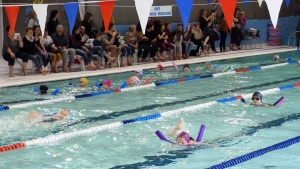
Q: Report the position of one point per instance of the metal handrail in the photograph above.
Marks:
(294, 38)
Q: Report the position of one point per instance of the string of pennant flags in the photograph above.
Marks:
(143, 8)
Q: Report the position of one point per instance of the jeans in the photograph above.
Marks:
(144, 50)
(68, 53)
(83, 54)
(126, 51)
(46, 59)
(188, 47)
(223, 41)
(37, 60)
(212, 40)
(98, 50)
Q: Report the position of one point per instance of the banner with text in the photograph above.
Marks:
(160, 11)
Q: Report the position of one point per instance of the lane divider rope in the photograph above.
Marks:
(255, 154)
(57, 137)
(181, 80)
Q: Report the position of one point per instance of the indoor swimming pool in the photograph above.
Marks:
(232, 128)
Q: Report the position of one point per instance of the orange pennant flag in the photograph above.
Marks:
(12, 14)
(228, 8)
(106, 8)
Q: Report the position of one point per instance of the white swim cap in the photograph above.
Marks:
(276, 57)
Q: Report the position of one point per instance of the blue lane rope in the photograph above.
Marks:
(3, 108)
(255, 154)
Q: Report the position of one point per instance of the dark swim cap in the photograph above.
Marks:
(43, 89)
(258, 94)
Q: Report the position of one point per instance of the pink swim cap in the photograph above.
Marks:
(107, 82)
(185, 136)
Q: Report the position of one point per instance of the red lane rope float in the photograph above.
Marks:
(181, 80)
(239, 97)
(297, 85)
(12, 147)
(242, 70)
(117, 90)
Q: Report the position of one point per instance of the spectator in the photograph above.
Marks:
(243, 21)
(169, 33)
(223, 31)
(163, 43)
(109, 47)
(77, 42)
(97, 49)
(204, 20)
(11, 50)
(130, 39)
(50, 47)
(144, 44)
(31, 22)
(187, 41)
(53, 22)
(46, 57)
(62, 43)
(30, 48)
(87, 23)
(179, 27)
(235, 31)
(152, 36)
(178, 38)
(213, 36)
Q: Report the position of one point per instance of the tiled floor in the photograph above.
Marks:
(36, 77)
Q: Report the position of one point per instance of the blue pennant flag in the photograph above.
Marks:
(71, 11)
(185, 8)
(246, 2)
(208, 1)
(287, 2)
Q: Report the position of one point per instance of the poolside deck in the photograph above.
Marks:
(36, 77)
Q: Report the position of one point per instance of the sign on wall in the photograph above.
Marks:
(160, 11)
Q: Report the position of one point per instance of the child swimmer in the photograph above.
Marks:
(37, 118)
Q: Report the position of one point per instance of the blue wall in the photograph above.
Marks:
(287, 26)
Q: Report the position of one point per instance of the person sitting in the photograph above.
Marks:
(46, 57)
(163, 43)
(62, 43)
(144, 44)
(108, 46)
(77, 42)
(30, 48)
(187, 43)
(50, 47)
(11, 50)
(130, 39)
(97, 49)
(35, 117)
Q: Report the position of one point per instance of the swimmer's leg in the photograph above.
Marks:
(177, 128)
(32, 116)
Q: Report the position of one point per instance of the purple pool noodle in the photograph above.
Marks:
(162, 137)
(279, 102)
(200, 134)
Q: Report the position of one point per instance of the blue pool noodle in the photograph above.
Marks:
(162, 137)
(279, 102)
(55, 92)
(200, 134)
(35, 90)
(97, 85)
(123, 85)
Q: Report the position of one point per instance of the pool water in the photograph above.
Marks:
(232, 129)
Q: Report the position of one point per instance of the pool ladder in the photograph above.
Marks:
(293, 34)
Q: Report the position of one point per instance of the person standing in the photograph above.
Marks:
(223, 31)
(53, 22)
(298, 35)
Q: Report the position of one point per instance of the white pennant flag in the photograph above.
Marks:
(260, 2)
(143, 8)
(274, 9)
(81, 9)
(41, 12)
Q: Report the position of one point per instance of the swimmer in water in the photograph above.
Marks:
(276, 59)
(43, 90)
(186, 68)
(37, 118)
(83, 82)
(216, 68)
(159, 68)
(139, 73)
(134, 81)
(207, 65)
(183, 138)
(106, 85)
(257, 100)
